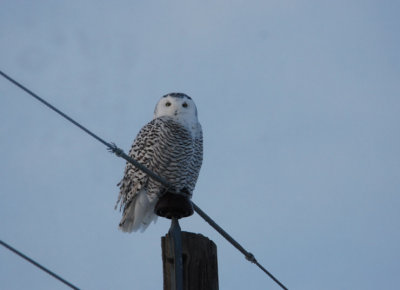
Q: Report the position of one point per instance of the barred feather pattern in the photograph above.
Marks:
(170, 150)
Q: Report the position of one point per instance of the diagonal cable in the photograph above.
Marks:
(38, 265)
(249, 256)
(120, 153)
(112, 147)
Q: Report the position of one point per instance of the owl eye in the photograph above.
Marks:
(167, 104)
(184, 105)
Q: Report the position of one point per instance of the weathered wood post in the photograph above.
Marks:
(189, 260)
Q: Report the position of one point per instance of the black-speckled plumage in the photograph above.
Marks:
(170, 148)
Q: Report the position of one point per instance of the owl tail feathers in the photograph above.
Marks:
(138, 215)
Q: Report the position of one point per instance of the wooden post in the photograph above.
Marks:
(199, 254)
(200, 266)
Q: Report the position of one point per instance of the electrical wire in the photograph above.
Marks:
(120, 153)
(7, 246)
(249, 256)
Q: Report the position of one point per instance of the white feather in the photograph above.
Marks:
(139, 214)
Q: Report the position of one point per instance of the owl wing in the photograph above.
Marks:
(142, 150)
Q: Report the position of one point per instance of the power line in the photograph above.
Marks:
(112, 147)
(38, 265)
(249, 256)
(120, 153)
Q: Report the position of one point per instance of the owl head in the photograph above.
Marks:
(178, 106)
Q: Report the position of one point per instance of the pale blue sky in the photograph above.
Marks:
(300, 107)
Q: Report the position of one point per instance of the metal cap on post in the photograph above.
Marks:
(172, 205)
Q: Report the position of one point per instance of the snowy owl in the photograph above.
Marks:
(171, 145)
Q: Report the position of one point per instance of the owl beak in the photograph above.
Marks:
(176, 113)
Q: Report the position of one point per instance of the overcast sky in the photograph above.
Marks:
(300, 107)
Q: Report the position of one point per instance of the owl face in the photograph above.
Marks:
(176, 105)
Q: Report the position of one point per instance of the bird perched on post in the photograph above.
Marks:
(171, 145)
